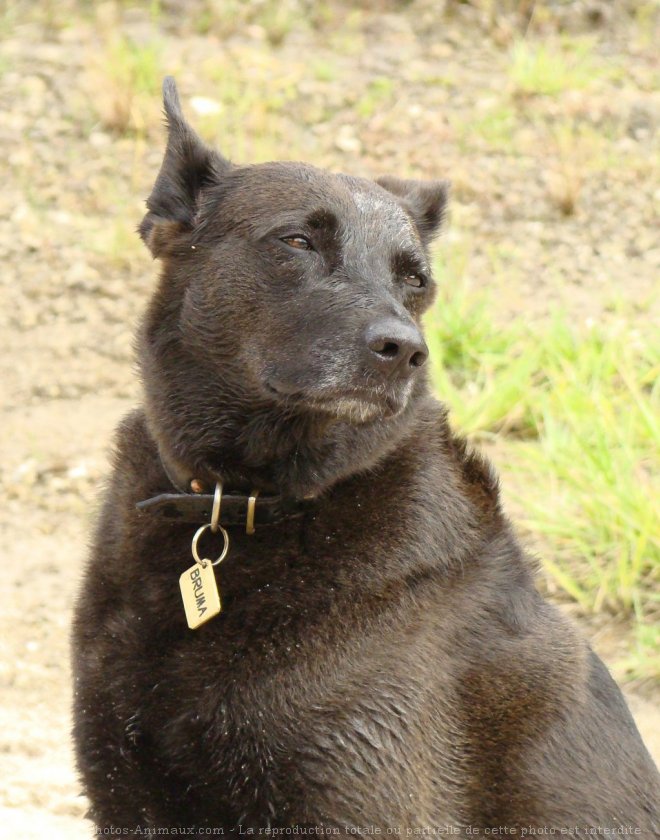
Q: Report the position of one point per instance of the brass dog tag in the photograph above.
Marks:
(199, 590)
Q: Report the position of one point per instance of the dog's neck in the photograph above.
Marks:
(267, 448)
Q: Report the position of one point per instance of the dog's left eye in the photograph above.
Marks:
(301, 243)
(418, 281)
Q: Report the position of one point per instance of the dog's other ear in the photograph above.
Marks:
(188, 167)
(426, 201)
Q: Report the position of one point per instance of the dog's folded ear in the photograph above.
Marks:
(426, 201)
(188, 167)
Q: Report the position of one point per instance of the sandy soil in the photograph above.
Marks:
(74, 278)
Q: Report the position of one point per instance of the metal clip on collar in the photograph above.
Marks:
(215, 526)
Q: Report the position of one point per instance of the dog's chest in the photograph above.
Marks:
(303, 737)
(304, 689)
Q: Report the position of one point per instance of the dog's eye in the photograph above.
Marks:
(301, 243)
(418, 281)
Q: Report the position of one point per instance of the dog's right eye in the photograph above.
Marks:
(301, 243)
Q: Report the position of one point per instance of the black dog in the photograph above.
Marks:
(382, 661)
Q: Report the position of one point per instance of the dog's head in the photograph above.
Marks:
(292, 288)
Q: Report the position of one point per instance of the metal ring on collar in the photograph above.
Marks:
(195, 540)
(215, 513)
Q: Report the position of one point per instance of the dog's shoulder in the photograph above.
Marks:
(560, 768)
(136, 474)
(534, 700)
(135, 454)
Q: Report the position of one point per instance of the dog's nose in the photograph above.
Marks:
(395, 347)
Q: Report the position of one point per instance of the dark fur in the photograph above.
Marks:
(386, 660)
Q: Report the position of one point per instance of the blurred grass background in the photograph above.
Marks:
(543, 115)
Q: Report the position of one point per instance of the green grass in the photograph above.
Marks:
(379, 91)
(130, 75)
(550, 68)
(494, 129)
(575, 411)
(277, 19)
(255, 93)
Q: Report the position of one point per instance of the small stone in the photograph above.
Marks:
(99, 139)
(346, 141)
(204, 106)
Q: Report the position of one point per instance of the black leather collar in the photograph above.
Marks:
(196, 508)
(192, 505)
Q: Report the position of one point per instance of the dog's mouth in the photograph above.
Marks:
(353, 405)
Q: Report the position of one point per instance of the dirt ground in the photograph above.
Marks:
(74, 276)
